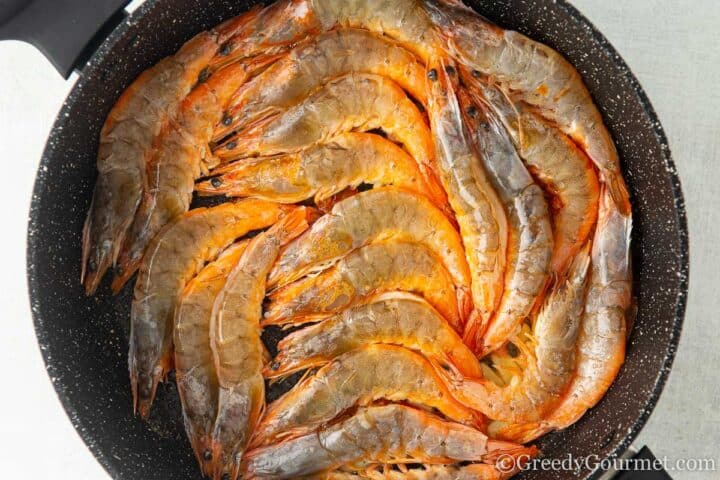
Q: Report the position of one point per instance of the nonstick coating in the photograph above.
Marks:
(84, 342)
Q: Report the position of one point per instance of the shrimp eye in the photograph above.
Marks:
(433, 75)
(226, 49)
(513, 350)
(227, 120)
(207, 455)
(275, 366)
(450, 70)
(216, 182)
(472, 111)
(476, 73)
(204, 75)
(231, 145)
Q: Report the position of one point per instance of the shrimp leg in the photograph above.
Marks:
(376, 268)
(236, 345)
(477, 207)
(383, 434)
(358, 102)
(603, 333)
(530, 243)
(194, 365)
(311, 64)
(320, 171)
(394, 318)
(174, 257)
(357, 378)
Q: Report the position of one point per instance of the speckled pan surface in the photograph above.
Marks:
(83, 340)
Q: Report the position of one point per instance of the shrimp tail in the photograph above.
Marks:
(295, 223)
(618, 191)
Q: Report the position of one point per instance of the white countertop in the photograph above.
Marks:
(674, 49)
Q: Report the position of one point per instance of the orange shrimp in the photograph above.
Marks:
(173, 258)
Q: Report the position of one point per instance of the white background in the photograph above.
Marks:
(673, 46)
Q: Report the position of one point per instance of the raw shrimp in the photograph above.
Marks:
(194, 366)
(550, 364)
(478, 209)
(177, 161)
(393, 318)
(377, 215)
(372, 269)
(311, 64)
(321, 171)
(536, 74)
(236, 345)
(173, 258)
(384, 434)
(603, 333)
(530, 240)
(561, 167)
(357, 378)
(126, 140)
(289, 21)
(351, 102)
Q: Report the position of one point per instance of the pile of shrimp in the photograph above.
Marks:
(431, 204)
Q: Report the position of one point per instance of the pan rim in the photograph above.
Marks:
(119, 33)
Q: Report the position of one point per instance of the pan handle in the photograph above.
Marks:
(67, 35)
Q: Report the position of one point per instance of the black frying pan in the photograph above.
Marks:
(83, 340)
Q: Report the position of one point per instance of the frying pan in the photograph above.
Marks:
(84, 340)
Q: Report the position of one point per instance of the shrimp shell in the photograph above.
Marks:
(530, 396)
(478, 209)
(236, 345)
(289, 21)
(603, 333)
(561, 167)
(313, 63)
(377, 215)
(386, 434)
(352, 102)
(530, 243)
(321, 171)
(194, 364)
(177, 162)
(369, 270)
(393, 318)
(126, 140)
(539, 76)
(360, 377)
(173, 258)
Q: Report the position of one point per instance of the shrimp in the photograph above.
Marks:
(377, 215)
(477, 207)
(383, 434)
(394, 318)
(236, 345)
(550, 366)
(173, 258)
(376, 268)
(351, 102)
(310, 64)
(195, 370)
(177, 162)
(530, 243)
(289, 21)
(561, 167)
(603, 333)
(321, 171)
(356, 378)
(126, 140)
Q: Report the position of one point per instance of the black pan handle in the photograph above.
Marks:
(646, 468)
(67, 32)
